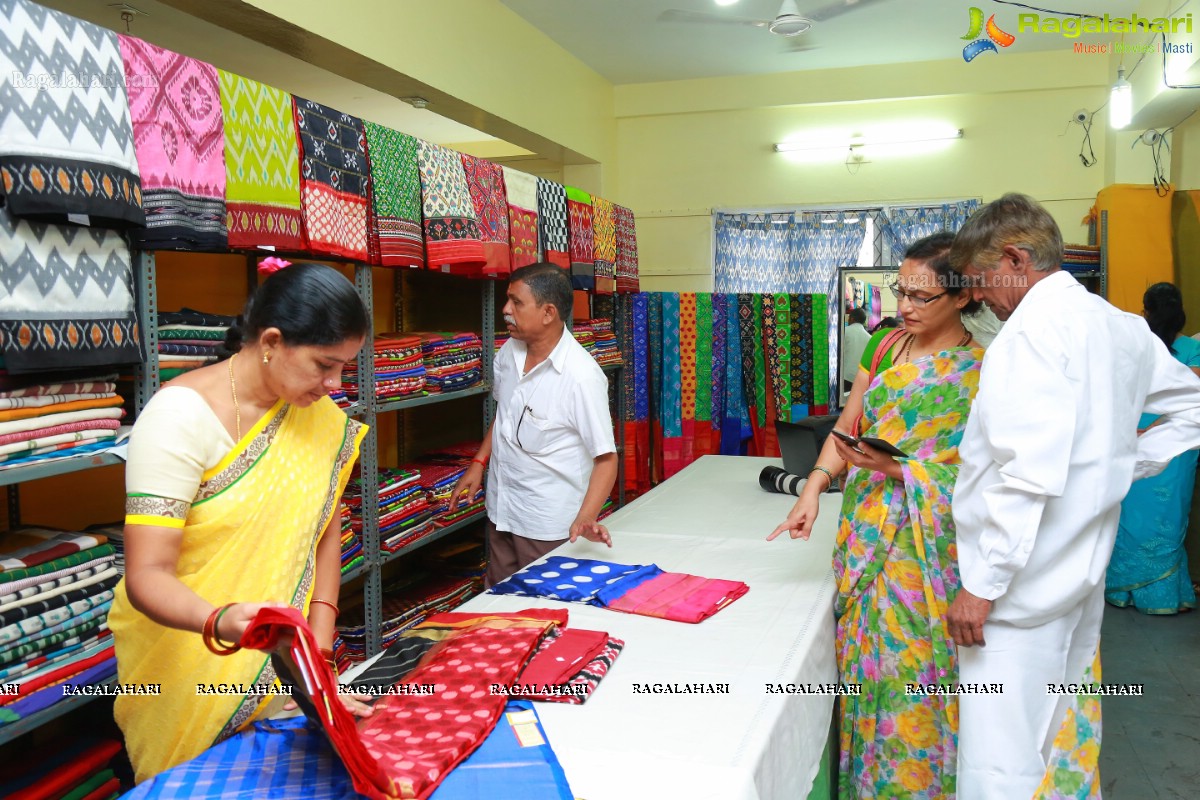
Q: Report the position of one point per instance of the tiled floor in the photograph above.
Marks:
(1151, 744)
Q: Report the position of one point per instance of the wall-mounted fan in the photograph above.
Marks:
(788, 22)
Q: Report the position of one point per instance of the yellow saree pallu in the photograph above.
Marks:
(250, 535)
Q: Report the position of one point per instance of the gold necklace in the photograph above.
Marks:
(237, 411)
(907, 354)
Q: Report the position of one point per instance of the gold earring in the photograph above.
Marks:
(266, 357)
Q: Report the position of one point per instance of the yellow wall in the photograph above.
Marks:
(710, 146)
(479, 52)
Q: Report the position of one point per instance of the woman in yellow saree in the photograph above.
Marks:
(233, 481)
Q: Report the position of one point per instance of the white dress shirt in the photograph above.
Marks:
(1051, 447)
(551, 424)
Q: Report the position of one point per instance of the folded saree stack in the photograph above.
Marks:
(1081, 258)
(55, 591)
(399, 368)
(80, 768)
(599, 339)
(404, 512)
(59, 419)
(188, 339)
(352, 554)
(453, 361)
(407, 601)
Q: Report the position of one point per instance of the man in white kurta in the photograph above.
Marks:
(1049, 452)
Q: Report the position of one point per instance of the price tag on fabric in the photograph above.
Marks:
(79, 219)
(525, 728)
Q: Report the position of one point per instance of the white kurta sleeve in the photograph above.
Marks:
(1175, 395)
(1028, 410)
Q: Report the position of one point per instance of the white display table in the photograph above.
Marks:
(623, 744)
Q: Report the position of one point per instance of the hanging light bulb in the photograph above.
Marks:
(1120, 101)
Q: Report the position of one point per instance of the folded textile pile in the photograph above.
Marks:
(453, 361)
(463, 556)
(352, 545)
(407, 601)
(42, 421)
(1081, 258)
(114, 532)
(55, 591)
(188, 339)
(399, 368)
(78, 769)
(598, 338)
(632, 588)
(394, 753)
(607, 509)
(404, 512)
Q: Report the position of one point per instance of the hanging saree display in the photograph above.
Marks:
(604, 245)
(66, 297)
(262, 165)
(521, 190)
(552, 223)
(236, 511)
(895, 568)
(580, 239)
(334, 180)
(395, 221)
(66, 150)
(451, 231)
(627, 252)
(485, 181)
(179, 140)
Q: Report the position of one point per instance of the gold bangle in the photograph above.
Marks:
(336, 610)
(828, 474)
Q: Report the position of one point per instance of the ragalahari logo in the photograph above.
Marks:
(995, 36)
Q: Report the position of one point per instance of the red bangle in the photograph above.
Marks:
(212, 640)
(480, 461)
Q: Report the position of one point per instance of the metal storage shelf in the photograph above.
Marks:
(385, 556)
(399, 404)
(61, 466)
(39, 718)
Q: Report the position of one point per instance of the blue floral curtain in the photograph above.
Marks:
(825, 242)
(903, 226)
(754, 253)
(793, 253)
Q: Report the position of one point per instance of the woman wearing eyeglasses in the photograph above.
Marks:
(894, 559)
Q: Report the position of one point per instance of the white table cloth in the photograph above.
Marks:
(711, 520)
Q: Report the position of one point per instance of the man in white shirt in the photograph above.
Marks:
(1049, 452)
(553, 456)
(856, 338)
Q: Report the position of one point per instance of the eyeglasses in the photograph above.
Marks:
(912, 298)
(517, 434)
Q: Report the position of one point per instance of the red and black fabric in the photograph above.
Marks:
(485, 181)
(334, 180)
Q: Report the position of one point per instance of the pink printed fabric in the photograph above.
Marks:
(54, 430)
(679, 597)
(179, 139)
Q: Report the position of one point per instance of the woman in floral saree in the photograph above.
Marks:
(894, 560)
(233, 481)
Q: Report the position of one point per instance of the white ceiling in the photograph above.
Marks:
(624, 41)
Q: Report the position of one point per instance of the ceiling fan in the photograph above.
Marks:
(788, 22)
